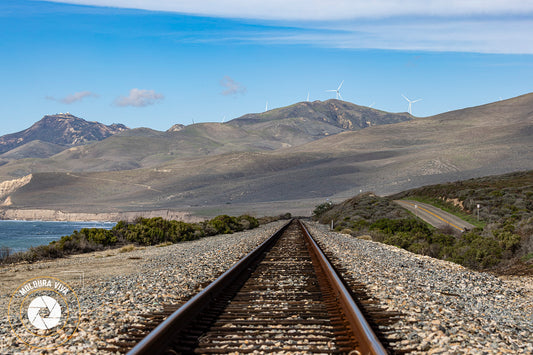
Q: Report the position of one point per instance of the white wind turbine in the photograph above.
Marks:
(308, 96)
(410, 103)
(266, 106)
(338, 91)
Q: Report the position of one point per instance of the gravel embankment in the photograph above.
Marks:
(120, 286)
(448, 308)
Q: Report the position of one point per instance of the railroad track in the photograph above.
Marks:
(282, 297)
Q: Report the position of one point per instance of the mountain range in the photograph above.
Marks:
(287, 159)
(136, 148)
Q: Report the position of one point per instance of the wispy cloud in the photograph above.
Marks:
(231, 87)
(441, 35)
(139, 98)
(495, 26)
(77, 96)
(319, 10)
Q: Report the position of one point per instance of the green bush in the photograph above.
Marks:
(475, 251)
(144, 231)
(508, 240)
(99, 236)
(249, 222)
(321, 209)
(410, 225)
(403, 240)
(224, 225)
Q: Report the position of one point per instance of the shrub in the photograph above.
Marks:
(392, 226)
(476, 251)
(99, 236)
(5, 252)
(321, 209)
(224, 225)
(144, 231)
(402, 239)
(423, 248)
(249, 222)
(508, 240)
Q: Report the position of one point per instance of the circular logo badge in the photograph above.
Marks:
(44, 312)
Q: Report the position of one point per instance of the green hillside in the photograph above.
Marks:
(504, 243)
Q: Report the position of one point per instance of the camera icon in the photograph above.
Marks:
(42, 305)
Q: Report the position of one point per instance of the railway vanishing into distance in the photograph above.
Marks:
(284, 296)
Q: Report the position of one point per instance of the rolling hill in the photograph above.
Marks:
(144, 148)
(234, 173)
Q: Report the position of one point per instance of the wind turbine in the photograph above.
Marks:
(223, 119)
(308, 96)
(266, 106)
(410, 103)
(338, 91)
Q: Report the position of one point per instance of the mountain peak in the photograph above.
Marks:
(62, 129)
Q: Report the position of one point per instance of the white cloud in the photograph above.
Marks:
(468, 35)
(231, 87)
(481, 26)
(77, 96)
(139, 98)
(322, 10)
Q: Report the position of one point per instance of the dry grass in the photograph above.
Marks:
(127, 248)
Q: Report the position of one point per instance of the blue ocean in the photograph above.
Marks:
(21, 235)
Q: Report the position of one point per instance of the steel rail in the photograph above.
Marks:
(158, 340)
(368, 341)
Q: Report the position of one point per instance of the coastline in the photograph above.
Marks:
(61, 216)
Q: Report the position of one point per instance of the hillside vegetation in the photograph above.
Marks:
(503, 242)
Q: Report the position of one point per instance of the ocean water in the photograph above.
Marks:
(21, 235)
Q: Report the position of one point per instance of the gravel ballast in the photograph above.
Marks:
(118, 287)
(447, 308)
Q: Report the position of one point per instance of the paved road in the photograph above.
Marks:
(433, 215)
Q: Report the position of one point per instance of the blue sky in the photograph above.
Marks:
(168, 62)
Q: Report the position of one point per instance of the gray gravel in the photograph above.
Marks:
(162, 275)
(448, 308)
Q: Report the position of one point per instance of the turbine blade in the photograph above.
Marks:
(406, 98)
(416, 100)
(342, 82)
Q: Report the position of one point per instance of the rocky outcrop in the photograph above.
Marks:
(176, 128)
(10, 186)
(55, 215)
